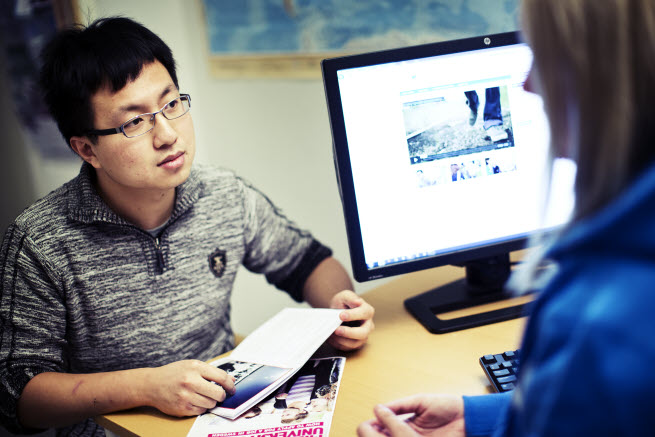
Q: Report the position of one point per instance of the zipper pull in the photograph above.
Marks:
(160, 256)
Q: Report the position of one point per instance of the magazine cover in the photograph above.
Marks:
(272, 354)
(304, 403)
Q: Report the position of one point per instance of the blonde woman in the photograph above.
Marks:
(588, 350)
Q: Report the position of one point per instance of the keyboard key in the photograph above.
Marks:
(488, 359)
(495, 366)
(507, 387)
(509, 355)
(504, 379)
(503, 372)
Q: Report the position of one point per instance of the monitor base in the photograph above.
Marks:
(483, 284)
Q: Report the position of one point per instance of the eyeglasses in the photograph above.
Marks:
(144, 123)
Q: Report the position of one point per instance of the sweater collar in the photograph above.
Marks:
(85, 204)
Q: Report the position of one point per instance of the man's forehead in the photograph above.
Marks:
(151, 85)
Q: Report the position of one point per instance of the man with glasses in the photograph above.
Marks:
(115, 288)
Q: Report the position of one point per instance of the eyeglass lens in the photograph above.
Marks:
(145, 122)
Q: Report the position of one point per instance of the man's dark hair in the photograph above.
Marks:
(78, 61)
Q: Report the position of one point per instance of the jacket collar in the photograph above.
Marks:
(85, 204)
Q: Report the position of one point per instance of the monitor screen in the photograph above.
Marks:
(440, 154)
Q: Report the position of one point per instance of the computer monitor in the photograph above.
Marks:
(440, 158)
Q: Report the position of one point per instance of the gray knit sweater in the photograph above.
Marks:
(82, 290)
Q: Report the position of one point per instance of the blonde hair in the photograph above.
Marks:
(594, 66)
(595, 69)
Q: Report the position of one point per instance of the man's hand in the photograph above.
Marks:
(434, 416)
(329, 286)
(187, 388)
(358, 321)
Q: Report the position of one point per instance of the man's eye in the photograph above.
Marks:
(134, 122)
(173, 104)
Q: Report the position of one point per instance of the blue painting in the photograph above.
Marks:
(285, 27)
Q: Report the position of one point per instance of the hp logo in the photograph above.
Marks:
(487, 41)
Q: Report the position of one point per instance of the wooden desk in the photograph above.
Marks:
(401, 358)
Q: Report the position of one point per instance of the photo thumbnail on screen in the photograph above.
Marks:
(457, 134)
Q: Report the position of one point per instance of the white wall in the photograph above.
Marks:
(275, 133)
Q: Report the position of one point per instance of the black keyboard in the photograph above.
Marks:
(501, 369)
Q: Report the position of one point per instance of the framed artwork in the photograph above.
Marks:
(25, 29)
(289, 38)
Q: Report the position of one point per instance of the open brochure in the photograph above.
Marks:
(272, 354)
(303, 405)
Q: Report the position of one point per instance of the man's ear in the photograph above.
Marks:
(86, 149)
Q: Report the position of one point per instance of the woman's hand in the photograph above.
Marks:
(433, 415)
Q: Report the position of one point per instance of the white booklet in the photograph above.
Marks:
(302, 406)
(272, 354)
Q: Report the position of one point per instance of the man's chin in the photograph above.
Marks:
(179, 177)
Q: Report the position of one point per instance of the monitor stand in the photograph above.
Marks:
(483, 284)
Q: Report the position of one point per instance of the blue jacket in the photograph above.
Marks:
(588, 353)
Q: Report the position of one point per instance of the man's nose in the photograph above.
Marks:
(164, 132)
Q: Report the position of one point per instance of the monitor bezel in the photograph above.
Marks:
(330, 68)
